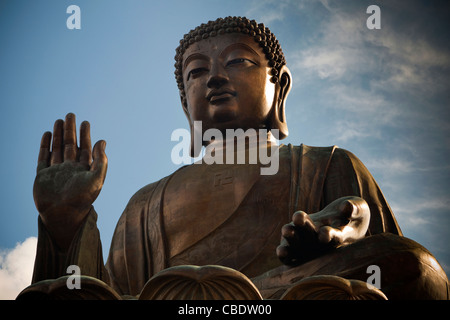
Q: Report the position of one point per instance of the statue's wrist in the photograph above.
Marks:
(62, 226)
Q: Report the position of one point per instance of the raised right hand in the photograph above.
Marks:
(69, 178)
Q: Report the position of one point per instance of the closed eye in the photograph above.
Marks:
(239, 61)
(196, 72)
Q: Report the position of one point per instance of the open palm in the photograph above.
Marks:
(69, 178)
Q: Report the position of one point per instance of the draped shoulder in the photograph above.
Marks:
(324, 174)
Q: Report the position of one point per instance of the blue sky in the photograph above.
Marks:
(382, 94)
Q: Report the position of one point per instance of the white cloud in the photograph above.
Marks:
(345, 131)
(392, 166)
(425, 220)
(362, 113)
(16, 268)
(327, 65)
(266, 10)
(412, 64)
(338, 50)
(416, 211)
(343, 47)
(375, 79)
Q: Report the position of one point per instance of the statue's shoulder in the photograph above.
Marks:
(138, 205)
(311, 152)
(331, 153)
(141, 197)
(326, 159)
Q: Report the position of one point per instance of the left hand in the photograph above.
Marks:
(308, 236)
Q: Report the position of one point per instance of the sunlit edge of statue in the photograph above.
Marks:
(231, 73)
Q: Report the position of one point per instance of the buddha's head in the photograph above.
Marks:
(232, 74)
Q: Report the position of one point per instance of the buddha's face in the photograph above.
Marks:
(227, 83)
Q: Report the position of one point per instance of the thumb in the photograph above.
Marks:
(100, 161)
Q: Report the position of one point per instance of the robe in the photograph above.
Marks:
(227, 215)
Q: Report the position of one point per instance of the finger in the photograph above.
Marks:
(288, 231)
(355, 208)
(326, 234)
(300, 232)
(334, 236)
(100, 161)
(290, 237)
(85, 144)
(57, 144)
(290, 244)
(70, 138)
(347, 208)
(286, 253)
(44, 151)
(283, 254)
(302, 219)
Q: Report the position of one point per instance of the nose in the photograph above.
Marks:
(217, 77)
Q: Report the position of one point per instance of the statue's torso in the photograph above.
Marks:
(229, 215)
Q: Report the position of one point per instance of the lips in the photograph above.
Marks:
(218, 96)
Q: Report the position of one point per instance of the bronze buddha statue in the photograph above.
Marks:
(330, 213)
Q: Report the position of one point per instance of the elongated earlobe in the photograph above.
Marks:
(195, 148)
(278, 117)
(196, 139)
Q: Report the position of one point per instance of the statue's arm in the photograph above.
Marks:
(352, 206)
(85, 251)
(69, 178)
(348, 176)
